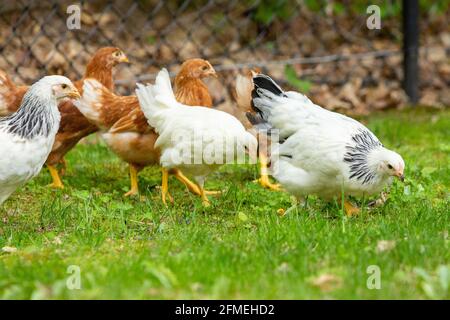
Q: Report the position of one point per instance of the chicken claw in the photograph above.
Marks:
(205, 200)
(265, 182)
(192, 187)
(264, 176)
(57, 183)
(380, 201)
(134, 182)
(212, 192)
(350, 209)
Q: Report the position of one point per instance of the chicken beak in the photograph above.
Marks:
(212, 73)
(74, 94)
(124, 59)
(400, 176)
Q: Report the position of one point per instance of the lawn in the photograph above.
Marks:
(238, 248)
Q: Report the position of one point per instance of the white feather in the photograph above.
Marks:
(22, 157)
(90, 102)
(315, 141)
(180, 126)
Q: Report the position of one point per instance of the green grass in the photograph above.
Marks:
(239, 247)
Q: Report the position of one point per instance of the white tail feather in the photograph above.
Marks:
(156, 98)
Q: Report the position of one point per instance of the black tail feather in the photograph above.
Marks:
(261, 81)
(258, 119)
(265, 82)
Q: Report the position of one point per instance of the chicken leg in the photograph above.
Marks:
(192, 187)
(200, 184)
(134, 181)
(57, 183)
(165, 186)
(205, 200)
(264, 176)
(350, 209)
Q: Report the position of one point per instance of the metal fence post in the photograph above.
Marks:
(411, 49)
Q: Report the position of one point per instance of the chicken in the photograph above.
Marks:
(74, 126)
(195, 140)
(27, 136)
(189, 87)
(10, 95)
(321, 152)
(243, 97)
(117, 117)
(125, 128)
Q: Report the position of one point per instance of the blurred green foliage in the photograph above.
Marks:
(267, 11)
(291, 77)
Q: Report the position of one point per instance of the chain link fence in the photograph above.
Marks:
(323, 48)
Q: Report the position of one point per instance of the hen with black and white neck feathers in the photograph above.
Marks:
(318, 151)
(196, 140)
(27, 136)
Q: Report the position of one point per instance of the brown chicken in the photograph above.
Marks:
(74, 126)
(10, 95)
(125, 128)
(243, 96)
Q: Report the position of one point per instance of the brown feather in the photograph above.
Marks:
(193, 92)
(74, 126)
(189, 87)
(10, 94)
(129, 135)
(189, 90)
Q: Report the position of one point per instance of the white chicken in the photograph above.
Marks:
(196, 140)
(318, 151)
(27, 136)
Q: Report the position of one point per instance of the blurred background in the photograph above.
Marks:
(321, 48)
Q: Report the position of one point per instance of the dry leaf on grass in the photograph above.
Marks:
(385, 245)
(327, 282)
(283, 268)
(9, 249)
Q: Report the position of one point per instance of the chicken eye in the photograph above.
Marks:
(204, 68)
(64, 86)
(117, 53)
(390, 167)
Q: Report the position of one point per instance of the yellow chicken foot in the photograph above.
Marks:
(165, 186)
(350, 209)
(212, 192)
(134, 182)
(57, 183)
(192, 187)
(264, 178)
(205, 200)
